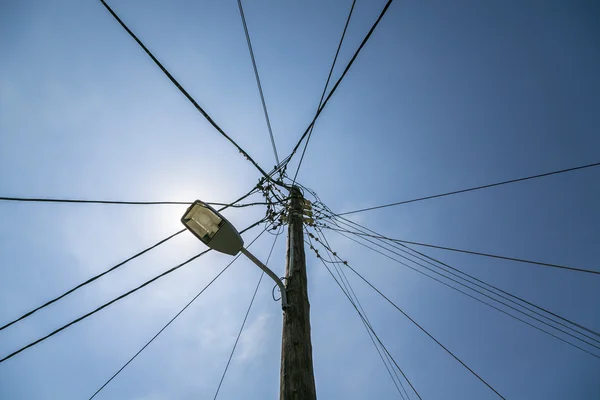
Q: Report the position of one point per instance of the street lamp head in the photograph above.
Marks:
(212, 228)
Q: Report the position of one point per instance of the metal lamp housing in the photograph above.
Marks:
(212, 228)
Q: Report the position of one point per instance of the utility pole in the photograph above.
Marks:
(297, 380)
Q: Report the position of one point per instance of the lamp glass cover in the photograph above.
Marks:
(202, 221)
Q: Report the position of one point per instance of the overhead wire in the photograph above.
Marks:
(484, 285)
(245, 318)
(184, 92)
(477, 253)
(318, 113)
(90, 280)
(470, 189)
(111, 269)
(337, 52)
(422, 329)
(502, 294)
(77, 320)
(172, 319)
(369, 327)
(484, 302)
(363, 229)
(353, 297)
(83, 201)
(260, 90)
(399, 242)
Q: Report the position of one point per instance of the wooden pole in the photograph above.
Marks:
(297, 381)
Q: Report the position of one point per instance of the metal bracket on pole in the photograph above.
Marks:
(284, 303)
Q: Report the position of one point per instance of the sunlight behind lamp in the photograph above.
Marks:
(219, 234)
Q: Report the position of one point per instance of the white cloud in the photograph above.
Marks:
(253, 340)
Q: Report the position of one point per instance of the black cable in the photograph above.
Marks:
(87, 282)
(46, 200)
(245, 318)
(512, 295)
(260, 90)
(171, 320)
(483, 286)
(27, 314)
(337, 52)
(476, 279)
(385, 8)
(367, 324)
(470, 189)
(422, 329)
(112, 301)
(484, 302)
(500, 257)
(184, 92)
(350, 293)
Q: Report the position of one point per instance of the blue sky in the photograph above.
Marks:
(446, 95)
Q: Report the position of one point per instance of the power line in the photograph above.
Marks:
(470, 189)
(54, 200)
(379, 237)
(365, 322)
(484, 302)
(262, 96)
(498, 294)
(113, 301)
(351, 294)
(92, 279)
(46, 200)
(421, 328)
(365, 40)
(29, 313)
(184, 92)
(245, 318)
(350, 290)
(337, 52)
(171, 320)
(480, 254)
(346, 290)
(474, 278)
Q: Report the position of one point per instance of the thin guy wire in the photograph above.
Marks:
(474, 278)
(87, 282)
(337, 52)
(184, 92)
(350, 290)
(262, 96)
(370, 328)
(112, 301)
(171, 320)
(422, 329)
(480, 300)
(245, 318)
(470, 189)
(365, 40)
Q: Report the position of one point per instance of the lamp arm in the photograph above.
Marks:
(284, 303)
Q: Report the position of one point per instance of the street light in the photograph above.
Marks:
(213, 229)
